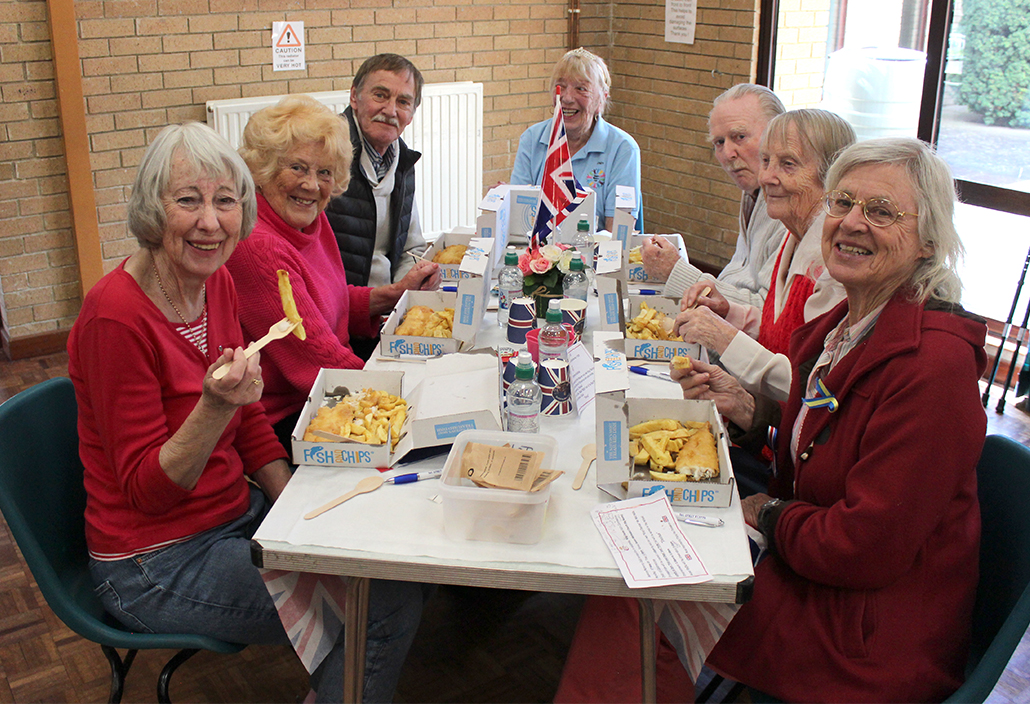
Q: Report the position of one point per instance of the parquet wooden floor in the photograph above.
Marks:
(473, 645)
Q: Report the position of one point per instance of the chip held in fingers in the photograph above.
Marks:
(679, 362)
(290, 305)
(675, 451)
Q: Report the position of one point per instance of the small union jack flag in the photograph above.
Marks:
(560, 192)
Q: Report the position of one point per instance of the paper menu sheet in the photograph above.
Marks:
(647, 543)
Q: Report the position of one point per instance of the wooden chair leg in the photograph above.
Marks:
(166, 674)
(119, 669)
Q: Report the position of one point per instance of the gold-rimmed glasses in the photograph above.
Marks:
(880, 212)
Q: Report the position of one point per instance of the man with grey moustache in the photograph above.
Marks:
(376, 219)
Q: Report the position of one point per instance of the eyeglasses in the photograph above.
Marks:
(877, 211)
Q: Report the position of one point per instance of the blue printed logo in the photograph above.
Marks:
(467, 307)
(613, 440)
(612, 304)
(450, 430)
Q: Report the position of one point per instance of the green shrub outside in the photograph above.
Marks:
(996, 63)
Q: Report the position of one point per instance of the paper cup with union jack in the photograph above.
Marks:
(553, 376)
(521, 319)
(574, 313)
(507, 376)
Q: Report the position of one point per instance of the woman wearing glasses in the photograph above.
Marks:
(797, 150)
(867, 591)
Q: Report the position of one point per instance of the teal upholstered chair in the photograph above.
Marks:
(43, 501)
(1002, 612)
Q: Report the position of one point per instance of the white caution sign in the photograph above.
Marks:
(287, 46)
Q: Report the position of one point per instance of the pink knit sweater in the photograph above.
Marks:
(332, 310)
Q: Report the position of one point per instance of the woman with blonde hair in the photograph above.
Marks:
(603, 156)
(300, 155)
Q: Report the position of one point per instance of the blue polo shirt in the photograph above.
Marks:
(610, 157)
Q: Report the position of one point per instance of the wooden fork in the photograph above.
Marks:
(278, 330)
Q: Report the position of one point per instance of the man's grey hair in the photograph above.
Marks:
(768, 103)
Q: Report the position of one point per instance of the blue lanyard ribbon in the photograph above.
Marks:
(822, 399)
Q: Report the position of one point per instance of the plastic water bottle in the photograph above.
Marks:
(524, 397)
(584, 243)
(575, 283)
(509, 286)
(554, 338)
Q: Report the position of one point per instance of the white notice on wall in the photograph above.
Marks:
(287, 46)
(680, 19)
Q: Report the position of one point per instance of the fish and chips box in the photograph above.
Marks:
(635, 270)
(615, 413)
(623, 223)
(611, 285)
(329, 453)
(469, 304)
(656, 349)
(479, 260)
(508, 213)
(458, 393)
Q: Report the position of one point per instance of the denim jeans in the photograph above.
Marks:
(209, 585)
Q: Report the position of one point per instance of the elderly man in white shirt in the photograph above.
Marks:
(735, 126)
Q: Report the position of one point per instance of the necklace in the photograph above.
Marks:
(197, 337)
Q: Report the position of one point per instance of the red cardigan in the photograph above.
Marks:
(870, 593)
(136, 380)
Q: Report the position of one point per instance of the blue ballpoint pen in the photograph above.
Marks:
(414, 476)
(647, 292)
(448, 287)
(650, 372)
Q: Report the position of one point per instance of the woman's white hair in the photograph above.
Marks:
(204, 150)
(585, 66)
(937, 275)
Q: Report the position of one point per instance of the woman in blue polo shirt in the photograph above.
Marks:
(603, 156)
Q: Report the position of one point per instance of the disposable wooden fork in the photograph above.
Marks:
(278, 330)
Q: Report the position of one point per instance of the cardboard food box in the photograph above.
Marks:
(469, 304)
(611, 286)
(635, 270)
(615, 413)
(453, 272)
(656, 349)
(508, 213)
(448, 402)
(623, 223)
(328, 453)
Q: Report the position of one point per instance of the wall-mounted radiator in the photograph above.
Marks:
(447, 129)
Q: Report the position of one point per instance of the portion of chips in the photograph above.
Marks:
(289, 305)
(675, 451)
(423, 321)
(369, 416)
(635, 256)
(651, 324)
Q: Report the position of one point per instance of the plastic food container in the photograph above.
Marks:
(471, 512)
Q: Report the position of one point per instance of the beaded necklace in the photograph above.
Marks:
(197, 336)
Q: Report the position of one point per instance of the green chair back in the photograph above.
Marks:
(1002, 611)
(43, 501)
